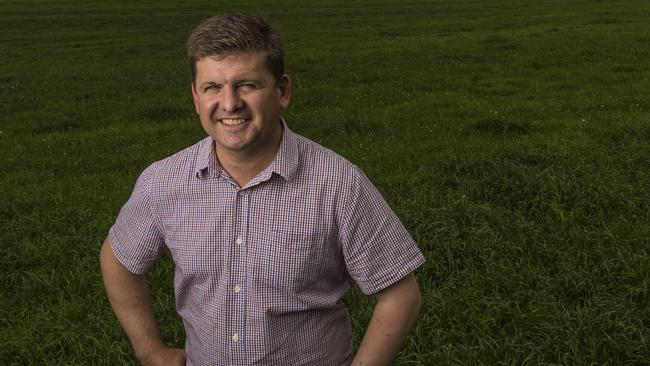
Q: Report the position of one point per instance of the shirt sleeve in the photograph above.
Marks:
(377, 248)
(136, 237)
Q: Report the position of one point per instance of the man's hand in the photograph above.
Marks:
(165, 356)
(394, 315)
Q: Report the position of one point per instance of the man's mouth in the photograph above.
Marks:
(232, 121)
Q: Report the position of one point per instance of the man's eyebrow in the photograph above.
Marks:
(207, 83)
(249, 80)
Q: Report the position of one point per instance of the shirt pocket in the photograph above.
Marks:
(291, 260)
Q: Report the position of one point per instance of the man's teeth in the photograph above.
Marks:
(232, 121)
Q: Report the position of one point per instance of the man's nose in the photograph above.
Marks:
(230, 100)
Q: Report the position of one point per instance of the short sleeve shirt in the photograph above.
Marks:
(260, 270)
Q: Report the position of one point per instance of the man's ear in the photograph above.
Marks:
(284, 86)
(195, 97)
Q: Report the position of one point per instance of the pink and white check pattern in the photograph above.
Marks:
(260, 270)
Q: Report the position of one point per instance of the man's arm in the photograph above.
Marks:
(395, 312)
(129, 296)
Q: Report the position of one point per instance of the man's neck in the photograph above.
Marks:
(246, 165)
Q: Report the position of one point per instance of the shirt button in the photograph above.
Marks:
(237, 289)
(239, 240)
(235, 337)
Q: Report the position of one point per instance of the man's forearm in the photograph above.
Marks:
(129, 297)
(392, 319)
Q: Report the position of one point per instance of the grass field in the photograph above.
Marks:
(511, 137)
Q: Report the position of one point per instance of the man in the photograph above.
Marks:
(267, 229)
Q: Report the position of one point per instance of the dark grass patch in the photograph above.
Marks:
(465, 58)
(605, 20)
(499, 183)
(501, 43)
(496, 126)
(530, 158)
(638, 133)
(165, 112)
(537, 65)
(489, 89)
(388, 34)
(15, 98)
(546, 190)
(625, 69)
(617, 135)
(457, 28)
(59, 123)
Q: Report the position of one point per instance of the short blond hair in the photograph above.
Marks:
(229, 34)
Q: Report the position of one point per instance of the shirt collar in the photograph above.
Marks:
(206, 160)
(284, 164)
(286, 161)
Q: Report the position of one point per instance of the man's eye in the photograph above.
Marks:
(211, 87)
(248, 86)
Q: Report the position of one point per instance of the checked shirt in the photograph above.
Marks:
(260, 270)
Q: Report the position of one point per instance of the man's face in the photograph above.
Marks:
(239, 103)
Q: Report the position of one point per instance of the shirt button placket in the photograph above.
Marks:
(238, 308)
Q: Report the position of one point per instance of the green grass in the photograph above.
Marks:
(511, 137)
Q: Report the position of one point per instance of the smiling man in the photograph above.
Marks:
(267, 229)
